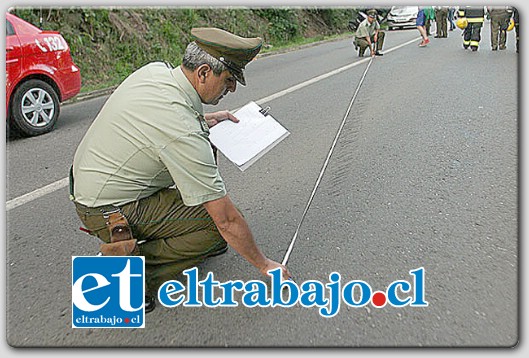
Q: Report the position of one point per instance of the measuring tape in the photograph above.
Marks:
(291, 246)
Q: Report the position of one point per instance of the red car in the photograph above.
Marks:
(40, 74)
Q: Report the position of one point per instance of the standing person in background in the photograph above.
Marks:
(429, 12)
(441, 17)
(472, 33)
(420, 23)
(516, 19)
(499, 21)
(451, 13)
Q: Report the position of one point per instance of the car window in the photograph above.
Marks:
(400, 10)
(10, 31)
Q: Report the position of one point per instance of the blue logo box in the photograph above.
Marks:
(108, 291)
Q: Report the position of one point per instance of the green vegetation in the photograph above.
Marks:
(109, 43)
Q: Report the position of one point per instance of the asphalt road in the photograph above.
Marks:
(424, 174)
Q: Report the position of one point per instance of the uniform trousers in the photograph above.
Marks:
(441, 17)
(177, 237)
(498, 31)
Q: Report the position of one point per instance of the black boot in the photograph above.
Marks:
(150, 303)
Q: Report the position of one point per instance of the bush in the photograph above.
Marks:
(109, 43)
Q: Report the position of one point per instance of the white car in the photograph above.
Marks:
(402, 17)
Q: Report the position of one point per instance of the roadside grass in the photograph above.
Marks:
(109, 43)
(267, 50)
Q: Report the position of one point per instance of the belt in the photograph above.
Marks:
(104, 210)
(122, 243)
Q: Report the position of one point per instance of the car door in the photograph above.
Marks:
(13, 57)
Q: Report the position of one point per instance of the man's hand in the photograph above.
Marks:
(215, 118)
(270, 265)
(234, 229)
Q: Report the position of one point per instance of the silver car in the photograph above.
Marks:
(402, 17)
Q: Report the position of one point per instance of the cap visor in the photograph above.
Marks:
(239, 77)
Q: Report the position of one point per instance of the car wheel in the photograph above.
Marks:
(34, 108)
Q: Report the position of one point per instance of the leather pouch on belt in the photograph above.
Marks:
(121, 241)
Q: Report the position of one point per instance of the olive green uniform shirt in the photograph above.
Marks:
(365, 29)
(499, 11)
(149, 135)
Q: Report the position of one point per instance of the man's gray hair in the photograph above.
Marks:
(195, 57)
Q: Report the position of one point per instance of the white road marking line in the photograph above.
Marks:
(59, 184)
(324, 76)
(35, 194)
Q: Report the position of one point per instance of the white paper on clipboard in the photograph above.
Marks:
(243, 143)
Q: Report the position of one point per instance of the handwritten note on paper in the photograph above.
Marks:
(245, 142)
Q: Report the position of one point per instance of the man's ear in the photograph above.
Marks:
(203, 71)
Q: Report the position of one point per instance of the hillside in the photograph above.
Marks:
(109, 43)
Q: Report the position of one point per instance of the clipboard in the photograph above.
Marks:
(245, 142)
